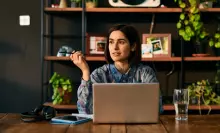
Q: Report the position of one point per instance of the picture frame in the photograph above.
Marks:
(156, 45)
(95, 44)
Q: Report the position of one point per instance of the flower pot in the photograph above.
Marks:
(63, 4)
(193, 100)
(200, 48)
(216, 51)
(74, 4)
(67, 98)
(91, 4)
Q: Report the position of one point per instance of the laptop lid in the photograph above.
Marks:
(126, 103)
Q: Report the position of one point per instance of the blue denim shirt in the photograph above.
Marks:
(108, 74)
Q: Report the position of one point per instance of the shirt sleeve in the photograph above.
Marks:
(83, 95)
(84, 92)
(149, 76)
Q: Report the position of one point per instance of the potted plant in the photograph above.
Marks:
(75, 3)
(62, 89)
(91, 3)
(190, 27)
(202, 93)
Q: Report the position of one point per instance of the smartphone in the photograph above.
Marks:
(69, 119)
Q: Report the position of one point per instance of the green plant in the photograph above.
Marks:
(214, 40)
(190, 25)
(62, 89)
(203, 92)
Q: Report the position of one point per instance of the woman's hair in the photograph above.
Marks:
(133, 37)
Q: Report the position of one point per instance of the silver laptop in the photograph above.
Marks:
(126, 103)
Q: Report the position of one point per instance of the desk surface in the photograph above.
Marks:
(11, 123)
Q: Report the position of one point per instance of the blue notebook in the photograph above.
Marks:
(69, 119)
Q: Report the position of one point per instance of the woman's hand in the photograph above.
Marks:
(79, 60)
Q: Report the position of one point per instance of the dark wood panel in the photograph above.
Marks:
(13, 124)
(195, 124)
(100, 128)
(82, 128)
(145, 128)
(2, 115)
(118, 128)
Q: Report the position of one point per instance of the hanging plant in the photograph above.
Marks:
(190, 25)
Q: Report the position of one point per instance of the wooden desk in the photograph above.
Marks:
(11, 123)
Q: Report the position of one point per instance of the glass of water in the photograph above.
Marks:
(181, 102)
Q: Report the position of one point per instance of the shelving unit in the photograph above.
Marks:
(50, 11)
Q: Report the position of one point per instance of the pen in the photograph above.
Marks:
(67, 52)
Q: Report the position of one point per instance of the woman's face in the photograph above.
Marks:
(119, 47)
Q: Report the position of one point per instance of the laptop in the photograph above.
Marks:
(126, 103)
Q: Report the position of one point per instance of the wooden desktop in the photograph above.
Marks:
(11, 123)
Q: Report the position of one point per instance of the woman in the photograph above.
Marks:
(123, 55)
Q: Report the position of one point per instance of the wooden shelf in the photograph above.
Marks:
(202, 58)
(102, 58)
(162, 59)
(155, 10)
(50, 9)
(192, 107)
(55, 58)
(67, 107)
(150, 10)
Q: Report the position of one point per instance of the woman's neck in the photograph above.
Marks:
(123, 67)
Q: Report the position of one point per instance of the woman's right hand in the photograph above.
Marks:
(79, 60)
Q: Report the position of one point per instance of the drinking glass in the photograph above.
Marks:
(181, 102)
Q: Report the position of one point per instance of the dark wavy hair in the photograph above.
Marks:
(133, 37)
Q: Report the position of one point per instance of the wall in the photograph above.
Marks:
(20, 56)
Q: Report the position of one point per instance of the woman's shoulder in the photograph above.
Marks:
(101, 69)
(144, 67)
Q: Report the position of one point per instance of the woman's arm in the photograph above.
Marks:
(84, 93)
(84, 96)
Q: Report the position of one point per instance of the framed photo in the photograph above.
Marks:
(156, 45)
(95, 44)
